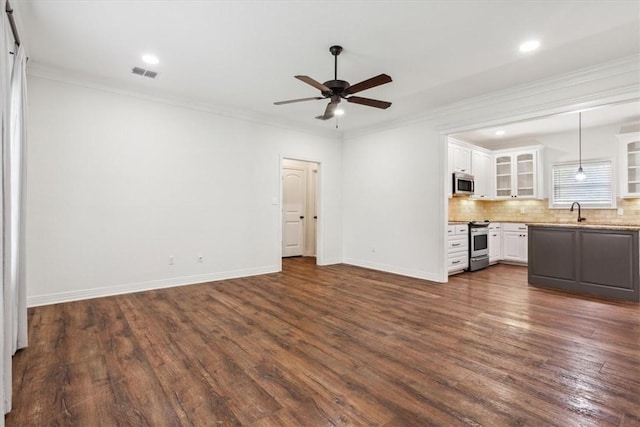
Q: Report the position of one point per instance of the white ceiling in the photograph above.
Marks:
(526, 132)
(242, 55)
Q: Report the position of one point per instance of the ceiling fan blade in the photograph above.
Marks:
(308, 80)
(368, 84)
(329, 112)
(369, 102)
(298, 100)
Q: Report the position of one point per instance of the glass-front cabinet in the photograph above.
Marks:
(516, 174)
(630, 164)
(503, 176)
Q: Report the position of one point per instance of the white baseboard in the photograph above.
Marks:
(331, 261)
(418, 274)
(67, 296)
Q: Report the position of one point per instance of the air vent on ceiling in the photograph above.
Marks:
(146, 73)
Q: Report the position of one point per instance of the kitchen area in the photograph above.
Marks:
(514, 198)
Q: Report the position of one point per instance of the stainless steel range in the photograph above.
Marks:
(478, 245)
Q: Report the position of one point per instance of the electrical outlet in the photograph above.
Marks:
(620, 211)
(171, 260)
(522, 211)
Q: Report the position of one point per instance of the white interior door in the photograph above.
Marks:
(293, 210)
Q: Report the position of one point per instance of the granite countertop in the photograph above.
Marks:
(585, 225)
(566, 225)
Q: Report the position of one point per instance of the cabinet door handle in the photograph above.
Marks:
(455, 244)
(301, 216)
(456, 262)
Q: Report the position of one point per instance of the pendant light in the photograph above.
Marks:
(580, 175)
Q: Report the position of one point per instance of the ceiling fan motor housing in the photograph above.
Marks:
(338, 87)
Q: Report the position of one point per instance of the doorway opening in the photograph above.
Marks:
(299, 208)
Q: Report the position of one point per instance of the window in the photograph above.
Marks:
(594, 192)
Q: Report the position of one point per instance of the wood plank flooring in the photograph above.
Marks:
(333, 346)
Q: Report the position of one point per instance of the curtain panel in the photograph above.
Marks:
(13, 308)
(5, 358)
(15, 250)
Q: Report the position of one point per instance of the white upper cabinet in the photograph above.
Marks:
(481, 170)
(629, 164)
(461, 159)
(517, 174)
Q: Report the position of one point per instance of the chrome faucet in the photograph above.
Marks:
(580, 219)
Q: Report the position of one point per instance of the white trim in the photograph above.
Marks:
(330, 261)
(555, 94)
(319, 207)
(549, 96)
(628, 137)
(409, 272)
(62, 76)
(67, 296)
(465, 144)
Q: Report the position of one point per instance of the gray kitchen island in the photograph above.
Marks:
(599, 260)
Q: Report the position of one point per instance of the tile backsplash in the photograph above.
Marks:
(467, 209)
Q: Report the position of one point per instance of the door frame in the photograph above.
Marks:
(319, 207)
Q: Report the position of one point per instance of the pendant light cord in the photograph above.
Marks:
(580, 138)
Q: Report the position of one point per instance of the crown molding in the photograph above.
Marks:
(69, 77)
(610, 82)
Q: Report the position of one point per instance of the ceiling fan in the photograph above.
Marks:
(337, 90)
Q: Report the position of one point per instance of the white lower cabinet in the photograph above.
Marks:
(514, 242)
(507, 242)
(457, 248)
(495, 242)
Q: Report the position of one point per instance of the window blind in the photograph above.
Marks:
(594, 192)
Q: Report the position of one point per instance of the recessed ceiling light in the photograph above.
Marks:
(150, 59)
(529, 45)
(339, 112)
(500, 132)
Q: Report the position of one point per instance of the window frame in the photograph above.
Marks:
(584, 204)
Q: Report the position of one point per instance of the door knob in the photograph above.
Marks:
(315, 217)
(301, 216)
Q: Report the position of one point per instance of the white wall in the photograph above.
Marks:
(597, 143)
(118, 184)
(394, 191)
(393, 201)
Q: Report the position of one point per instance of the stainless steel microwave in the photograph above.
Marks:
(463, 184)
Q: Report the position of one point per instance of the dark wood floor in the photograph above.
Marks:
(337, 345)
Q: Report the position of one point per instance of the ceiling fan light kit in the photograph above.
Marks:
(336, 90)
